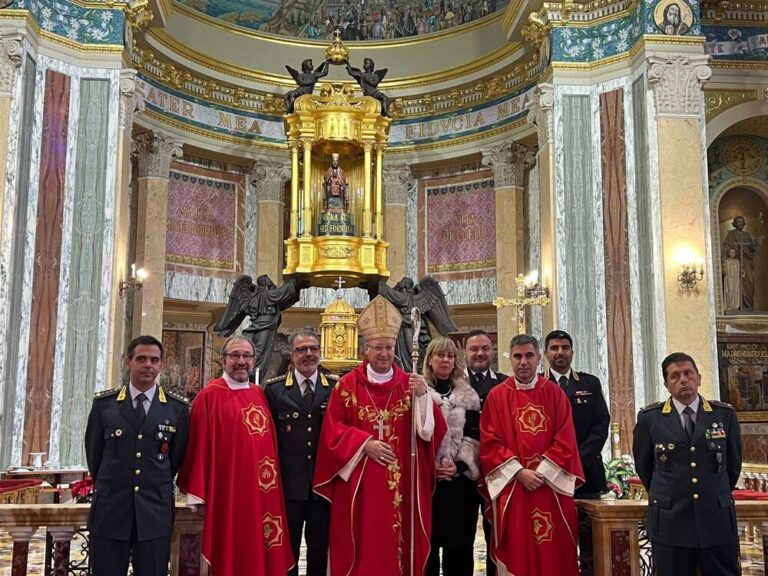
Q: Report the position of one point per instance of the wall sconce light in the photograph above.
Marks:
(690, 275)
(529, 293)
(691, 269)
(134, 282)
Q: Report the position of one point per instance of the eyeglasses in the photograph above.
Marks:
(239, 355)
(380, 349)
(305, 349)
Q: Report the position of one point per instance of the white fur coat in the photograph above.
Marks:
(455, 445)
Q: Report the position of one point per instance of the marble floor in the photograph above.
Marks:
(752, 560)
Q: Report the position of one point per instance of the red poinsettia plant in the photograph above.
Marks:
(82, 490)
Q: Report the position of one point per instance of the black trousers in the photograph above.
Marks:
(457, 561)
(490, 565)
(110, 557)
(714, 561)
(311, 517)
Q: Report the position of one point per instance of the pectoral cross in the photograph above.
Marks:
(381, 427)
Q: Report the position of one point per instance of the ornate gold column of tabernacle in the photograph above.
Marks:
(676, 81)
(342, 234)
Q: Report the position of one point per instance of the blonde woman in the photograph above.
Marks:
(454, 503)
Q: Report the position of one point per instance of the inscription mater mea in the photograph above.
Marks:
(467, 229)
(226, 120)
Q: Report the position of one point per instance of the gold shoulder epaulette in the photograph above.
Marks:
(107, 392)
(176, 396)
(334, 377)
(722, 404)
(652, 406)
(275, 379)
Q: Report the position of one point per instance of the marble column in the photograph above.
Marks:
(676, 82)
(268, 177)
(541, 113)
(509, 163)
(131, 102)
(21, 535)
(155, 150)
(11, 53)
(397, 181)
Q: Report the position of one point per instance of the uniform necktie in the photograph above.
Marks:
(140, 413)
(309, 394)
(563, 381)
(688, 421)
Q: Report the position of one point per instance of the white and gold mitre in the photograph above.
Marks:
(379, 320)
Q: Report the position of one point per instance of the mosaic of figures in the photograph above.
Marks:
(357, 19)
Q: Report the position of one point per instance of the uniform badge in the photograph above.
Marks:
(161, 457)
(295, 415)
(118, 432)
(663, 457)
(288, 428)
(670, 446)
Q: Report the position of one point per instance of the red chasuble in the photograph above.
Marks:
(535, 533)
(370, 512)
(231, 465)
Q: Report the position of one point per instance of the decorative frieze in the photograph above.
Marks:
(155, 151)
(676, 81)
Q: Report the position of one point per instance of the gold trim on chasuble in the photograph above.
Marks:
(388, 418)
(267, 474)
(273, 530)
(255, 419)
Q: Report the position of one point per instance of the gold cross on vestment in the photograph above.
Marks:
(381, 427)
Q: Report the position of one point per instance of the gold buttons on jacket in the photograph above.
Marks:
(137, 472)
(140, 436)
(695, 496)
(138, 454)
(309, 429)
(693, 464)
(135, 488)
(695, 480)
(693, 448)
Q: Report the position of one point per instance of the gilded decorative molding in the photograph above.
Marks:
(676, 81)
(11, 54)
(718, 101)
(131, 98)
(541, 112)
(156, 150)
(398, 179)
(268, 177)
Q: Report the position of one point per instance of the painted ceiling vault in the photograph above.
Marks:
(356, 19)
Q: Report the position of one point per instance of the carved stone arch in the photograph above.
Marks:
(732, 116)
(753, 184)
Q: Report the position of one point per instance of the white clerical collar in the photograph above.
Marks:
(529, 386)
(150, 394)
(679, 406)
(557, 374)
(234, 384)
(378, 378)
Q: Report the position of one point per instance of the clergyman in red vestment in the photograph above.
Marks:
(364, 460)
(231, 472)
(530, 466)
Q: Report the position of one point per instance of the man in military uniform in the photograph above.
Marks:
(478, 355)
(590, 412)
(298, 400)
(688, 455)
(134, 443)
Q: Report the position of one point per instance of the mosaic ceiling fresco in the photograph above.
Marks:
(357, 19)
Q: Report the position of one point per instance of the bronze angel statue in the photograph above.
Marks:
(263, 303)
(429, 298)
(368, 78)
(305, 80)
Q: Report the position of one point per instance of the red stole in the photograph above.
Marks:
(231, 464)
(370, 513)
(534, 532)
